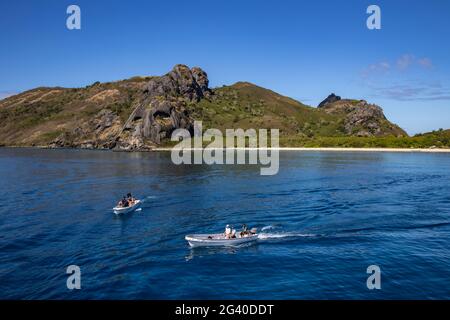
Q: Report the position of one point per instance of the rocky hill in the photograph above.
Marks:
(361, 118)
(140, 113)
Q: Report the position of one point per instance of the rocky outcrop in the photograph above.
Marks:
(190, 84)
(134, 114)
(201, 78)
(162, 108)
(361, 118)
(330, 99)
(97, 133)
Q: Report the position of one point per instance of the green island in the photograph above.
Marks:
(140, 114)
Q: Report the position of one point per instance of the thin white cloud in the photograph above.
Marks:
(412, 92)
(390, 80)
(403, 63)
(376, 68)
(408, 60)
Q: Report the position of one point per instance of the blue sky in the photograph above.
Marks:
(302, 49)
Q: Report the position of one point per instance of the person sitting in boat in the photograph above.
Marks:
(245, 232)
(227, 232)
(131, 200)
(123, 203)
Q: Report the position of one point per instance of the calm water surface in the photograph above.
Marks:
(326, 216)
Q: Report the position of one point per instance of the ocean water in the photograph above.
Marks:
(324, 218)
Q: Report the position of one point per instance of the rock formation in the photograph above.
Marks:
(360, 117)
(162, 108)
(330, 99)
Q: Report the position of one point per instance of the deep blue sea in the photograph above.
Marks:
(325, 217)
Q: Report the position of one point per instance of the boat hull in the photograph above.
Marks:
(202, 240)
(124, 210)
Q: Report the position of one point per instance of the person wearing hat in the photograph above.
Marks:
(228, 231)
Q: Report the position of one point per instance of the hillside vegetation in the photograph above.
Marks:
(141, 113)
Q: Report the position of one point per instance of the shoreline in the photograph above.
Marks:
(332, 149)
(326, 149)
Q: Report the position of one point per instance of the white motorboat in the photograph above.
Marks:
(123, 210)
(205, 240)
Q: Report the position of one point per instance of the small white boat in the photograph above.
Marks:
(205, 240)
(123, 210)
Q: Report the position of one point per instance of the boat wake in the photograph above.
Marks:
(280, 235)
(148, 198)
(146, 202)
(267, 228)
(266, 236)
